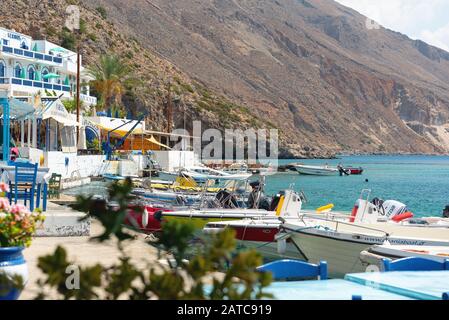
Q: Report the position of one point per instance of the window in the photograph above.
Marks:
(5, 42)
(44, 73)
(31, 73)
(18, 71)
(2, 69)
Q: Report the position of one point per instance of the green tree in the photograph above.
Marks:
(111, 76)
(233, 275)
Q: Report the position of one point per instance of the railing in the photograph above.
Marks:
(35, 84)
(88, 99)
(31, 54)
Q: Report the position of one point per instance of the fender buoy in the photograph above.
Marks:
(325, 208)
(403, 216)
(354, 211)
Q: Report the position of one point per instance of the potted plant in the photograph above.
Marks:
(17, 227)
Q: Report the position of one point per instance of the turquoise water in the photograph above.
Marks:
(421, 182)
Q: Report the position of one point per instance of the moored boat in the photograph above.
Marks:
(353, 171)
(316, 170)
(374, 256)
(340, 242)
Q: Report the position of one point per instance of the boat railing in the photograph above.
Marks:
(350, 224)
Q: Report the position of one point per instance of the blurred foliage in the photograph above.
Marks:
(214, 272)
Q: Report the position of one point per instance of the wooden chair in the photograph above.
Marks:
(295, 269)
(414, 264)
(24, 188)
(54, 186)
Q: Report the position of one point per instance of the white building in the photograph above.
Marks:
(28, 67)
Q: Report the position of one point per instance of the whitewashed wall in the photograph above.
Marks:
(78, 166)
(170, 160)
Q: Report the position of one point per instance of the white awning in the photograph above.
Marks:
(54, 109)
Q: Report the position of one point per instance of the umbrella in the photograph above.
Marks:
(66, 81)
(51, 76)
(35, 47)
(58, 50)
(22, 73)
(37, 76)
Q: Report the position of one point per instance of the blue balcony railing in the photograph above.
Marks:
(36, 84)
(31, 54)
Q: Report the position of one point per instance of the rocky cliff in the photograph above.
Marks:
(315, 68)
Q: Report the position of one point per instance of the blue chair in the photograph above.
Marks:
(290, 269)
(414, 264)
(25, 183)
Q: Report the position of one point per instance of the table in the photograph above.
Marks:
(336, 289)
(422, 285)
(42, 179)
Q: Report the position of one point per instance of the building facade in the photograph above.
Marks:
(29, 67)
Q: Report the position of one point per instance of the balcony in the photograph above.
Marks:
(31, 55)
(35, 84)
(88, 100)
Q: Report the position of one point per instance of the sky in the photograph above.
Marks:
(427, 20)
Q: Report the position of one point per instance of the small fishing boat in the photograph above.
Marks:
(373, 256)
(203, 174)
(339, 240)
(353, 171)
(287, 205)
(263, 234)
(316, 170)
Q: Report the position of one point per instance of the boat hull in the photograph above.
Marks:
(341, 249)
(342, 257)
(316, 171)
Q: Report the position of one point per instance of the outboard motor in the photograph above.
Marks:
(226, 199)
(446, 212)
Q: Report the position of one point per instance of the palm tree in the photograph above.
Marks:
(111, 75)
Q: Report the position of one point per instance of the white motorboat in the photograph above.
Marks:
(202, 174)
(316, 170)
(339, 239)
(263, 233)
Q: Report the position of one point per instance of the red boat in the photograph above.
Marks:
(260, 235)
(144, 221)
(353, 171)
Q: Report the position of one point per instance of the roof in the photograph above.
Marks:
(17, 109)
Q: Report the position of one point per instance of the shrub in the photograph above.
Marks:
(102, 11)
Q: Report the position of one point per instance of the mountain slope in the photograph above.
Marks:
(309, 66)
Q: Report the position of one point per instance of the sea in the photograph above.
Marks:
(420, 182)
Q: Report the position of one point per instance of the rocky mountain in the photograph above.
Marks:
(314, 68)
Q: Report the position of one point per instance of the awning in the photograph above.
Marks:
(165, 134)
(154, 141)
(18, 110)
(54, 109)
(118, 132)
